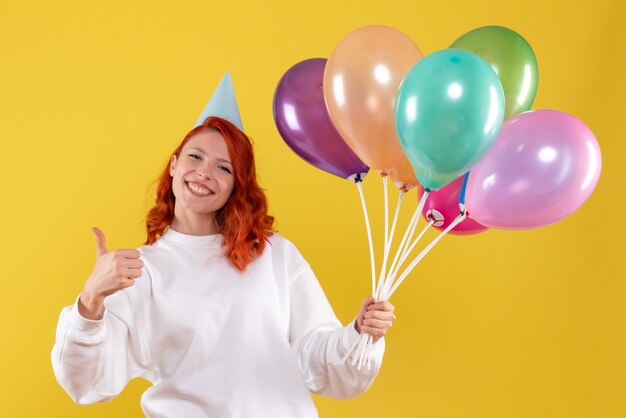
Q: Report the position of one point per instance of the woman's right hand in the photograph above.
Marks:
(115, 270)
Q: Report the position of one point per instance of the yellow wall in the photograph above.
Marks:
(94, 95)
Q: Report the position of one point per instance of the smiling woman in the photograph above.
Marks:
(206, 158)
(221, 314)
(210, 186)
(202, 181)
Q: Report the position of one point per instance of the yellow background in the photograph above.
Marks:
(94, 95)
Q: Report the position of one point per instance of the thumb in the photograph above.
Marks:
(101, 245)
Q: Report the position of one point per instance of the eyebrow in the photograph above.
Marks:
(224, 160)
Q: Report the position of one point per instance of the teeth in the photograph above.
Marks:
(199, 189)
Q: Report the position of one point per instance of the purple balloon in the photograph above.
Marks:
(446, 202)
(542, 167)
(304, 123)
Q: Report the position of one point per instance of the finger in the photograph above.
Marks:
(363, 309)
(132, 273)
(367, 302)
(127, 283)
(383, 315)
(127, 253)
(383, 305)
(377, 323)
(132, 263)
(101, 245)
(376, 333)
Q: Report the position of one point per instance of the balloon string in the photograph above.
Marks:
(420, 208)
(386, 199)
(430, 223)
(363, 351)
(359, 351)
(408, 234)
(385, 252)
(366, 353)
(388, 247)
(425, 251)
(394, 273)
(380, 291)
(389, 240)
(369, 236)
(365, 343)
(350, 350)
(395, 219)
(402, 242)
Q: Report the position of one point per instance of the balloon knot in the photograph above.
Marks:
(358, 178)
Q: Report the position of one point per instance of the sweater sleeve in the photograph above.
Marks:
(94, 360)
(321, 343)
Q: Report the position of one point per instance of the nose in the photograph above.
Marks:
(204, 171)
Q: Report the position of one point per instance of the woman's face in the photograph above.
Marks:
(202, 175)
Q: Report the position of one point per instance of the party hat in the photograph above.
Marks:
(222, 104)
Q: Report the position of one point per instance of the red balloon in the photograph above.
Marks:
(445, 202)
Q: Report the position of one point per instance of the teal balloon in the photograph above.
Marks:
(449, 111)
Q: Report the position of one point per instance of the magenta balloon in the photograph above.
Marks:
(446, 202)
(542, 167)
(304, 123)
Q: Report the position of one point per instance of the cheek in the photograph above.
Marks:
(227, 183)
(231, 186)
(177, 184)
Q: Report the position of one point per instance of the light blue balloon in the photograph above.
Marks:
(449, 111)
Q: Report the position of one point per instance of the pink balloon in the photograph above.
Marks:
(543, 166)
(446, 202)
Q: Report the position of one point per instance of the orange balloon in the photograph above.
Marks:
(403, 175)
(361, 80)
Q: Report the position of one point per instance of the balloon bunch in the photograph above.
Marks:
(427, 121)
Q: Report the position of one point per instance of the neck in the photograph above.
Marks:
(194, 225)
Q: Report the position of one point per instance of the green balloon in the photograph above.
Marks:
(449, 111)
(513, 60)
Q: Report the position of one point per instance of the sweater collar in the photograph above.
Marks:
(200, 241)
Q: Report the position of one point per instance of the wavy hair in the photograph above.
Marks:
(243, 220)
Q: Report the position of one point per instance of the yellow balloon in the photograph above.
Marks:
(361, 80)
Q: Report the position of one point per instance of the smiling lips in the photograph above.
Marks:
(198, 189)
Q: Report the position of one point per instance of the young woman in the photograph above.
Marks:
(222, 315)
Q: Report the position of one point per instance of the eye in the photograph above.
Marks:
(226, 169)
(195, 157)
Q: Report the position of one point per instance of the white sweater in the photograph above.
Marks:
(213, 341)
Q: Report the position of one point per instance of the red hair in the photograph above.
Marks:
(243, 220)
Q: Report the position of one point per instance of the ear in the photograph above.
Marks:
(172, 165)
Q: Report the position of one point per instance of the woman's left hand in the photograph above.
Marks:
(375, 318)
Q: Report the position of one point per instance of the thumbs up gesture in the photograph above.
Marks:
(114, 270)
